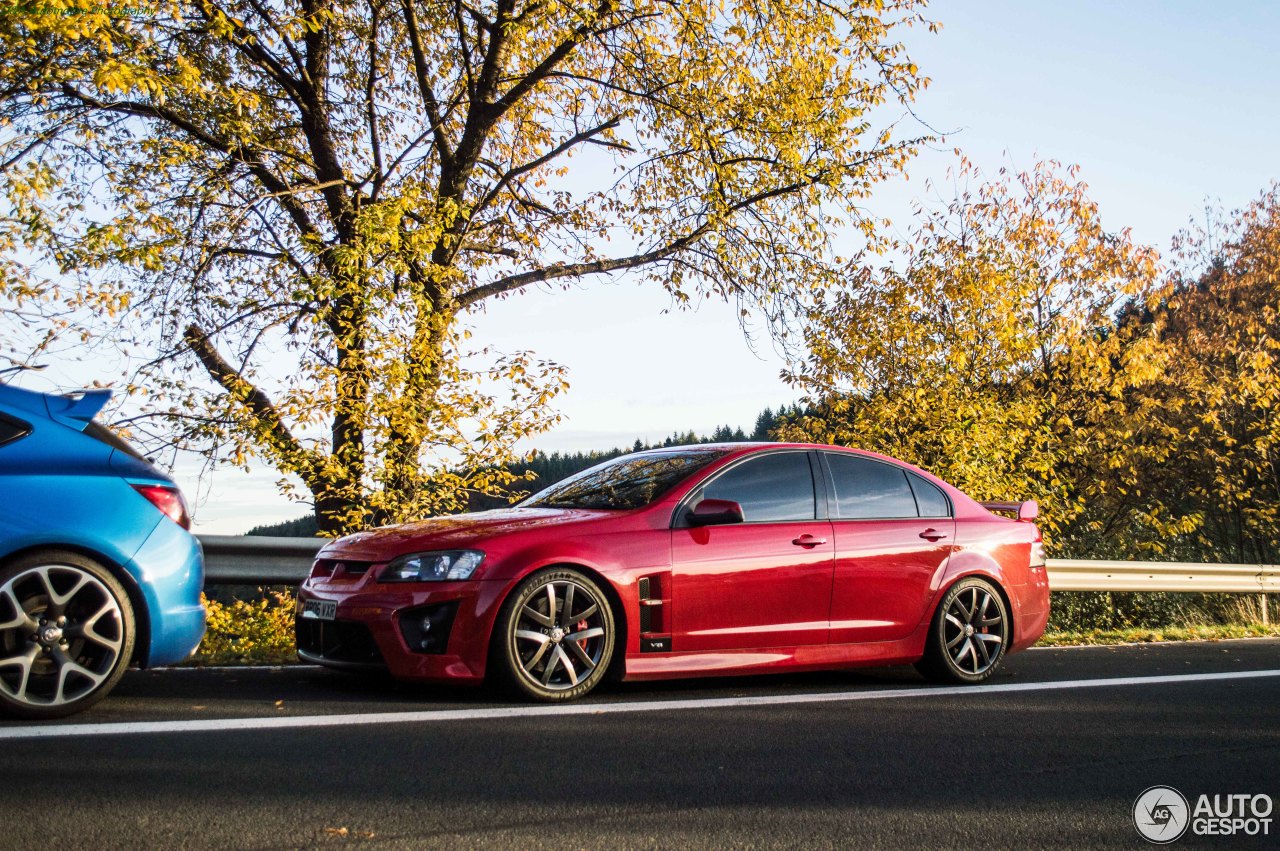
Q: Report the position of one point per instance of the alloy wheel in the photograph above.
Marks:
(556, 636)
(973, 630)
(63, 633)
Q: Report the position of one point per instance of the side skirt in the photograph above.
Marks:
(776, 660)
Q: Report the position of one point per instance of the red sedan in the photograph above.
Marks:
(688, 561)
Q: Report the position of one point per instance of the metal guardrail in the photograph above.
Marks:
(1086, 575)
(253, 560)
(236, 560)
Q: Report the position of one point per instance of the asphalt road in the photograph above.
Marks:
(1042, 757)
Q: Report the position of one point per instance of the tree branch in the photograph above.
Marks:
(275, 433)
(597, 267)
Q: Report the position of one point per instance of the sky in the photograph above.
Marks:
(1164, 106)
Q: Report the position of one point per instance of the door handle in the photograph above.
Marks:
(932, 535)
(808, 541)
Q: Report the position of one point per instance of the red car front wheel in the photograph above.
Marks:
(555, 636)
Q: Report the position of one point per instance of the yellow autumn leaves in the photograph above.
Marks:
(1020, 349)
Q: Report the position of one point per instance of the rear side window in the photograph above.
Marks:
(867, 489)
(102, 434)
(11, 430)
(930, 499)
(771, 488)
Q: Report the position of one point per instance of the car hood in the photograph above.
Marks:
(457, 530)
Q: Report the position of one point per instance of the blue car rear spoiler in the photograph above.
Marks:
(78, 409)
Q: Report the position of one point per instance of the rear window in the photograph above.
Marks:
(103, 434)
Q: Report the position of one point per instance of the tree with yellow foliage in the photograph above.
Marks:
(1201, 447)
(339, 184)
(988, 353)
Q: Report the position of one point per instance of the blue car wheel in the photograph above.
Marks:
(67, 634)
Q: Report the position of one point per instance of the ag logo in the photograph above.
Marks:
(1161, 814)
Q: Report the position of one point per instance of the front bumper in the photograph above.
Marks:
(376, 628)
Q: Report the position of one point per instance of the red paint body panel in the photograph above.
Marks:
(736, 599)
(885, 577)
(748, 585)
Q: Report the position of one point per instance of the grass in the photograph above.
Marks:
(1143, 635)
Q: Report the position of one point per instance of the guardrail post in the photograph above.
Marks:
(1266, 616)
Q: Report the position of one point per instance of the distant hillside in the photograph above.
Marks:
(547, 469)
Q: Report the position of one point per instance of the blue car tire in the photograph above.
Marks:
(67, 633)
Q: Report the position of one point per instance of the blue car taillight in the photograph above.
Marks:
(169, 500)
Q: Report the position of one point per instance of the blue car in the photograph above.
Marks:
(97, 568)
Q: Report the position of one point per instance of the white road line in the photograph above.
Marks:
(542, 711)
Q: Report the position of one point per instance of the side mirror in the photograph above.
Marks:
(714, 512)
(1029, 510)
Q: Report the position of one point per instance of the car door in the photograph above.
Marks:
(893, 530)
(765, 582)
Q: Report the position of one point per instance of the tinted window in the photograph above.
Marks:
(866, 488)
(11, 430)
(102, 434)
(774, 487)
(623, 483)
(931, 501)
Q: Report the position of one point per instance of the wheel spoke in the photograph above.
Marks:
(24, 662)
(956, 622)
(981, 648)
(58, 602)
(987, 636)
(567, 663)
(549, 671)
(551, 603)
(953, 642)
(89, 629)
(965, 650)
(593, 632)
(981, 611)
(68, 666)
(20, 617)
(566, 612)
(582, 656)
(536, 616)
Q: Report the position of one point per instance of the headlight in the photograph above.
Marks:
(433, 567)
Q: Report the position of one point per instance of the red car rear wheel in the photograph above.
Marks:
(969, 634)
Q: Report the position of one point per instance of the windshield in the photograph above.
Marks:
(628, 482)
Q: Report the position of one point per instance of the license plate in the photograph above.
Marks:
(325, 610)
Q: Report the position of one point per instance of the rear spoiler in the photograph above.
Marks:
(79, 408)
(1027, 511)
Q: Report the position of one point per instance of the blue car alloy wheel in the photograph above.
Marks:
(98, 570)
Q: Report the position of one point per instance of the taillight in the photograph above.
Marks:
(1037, 551)
(168, 500)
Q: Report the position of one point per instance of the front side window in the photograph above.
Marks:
(772, 488)
(631, 481)
(867, 489)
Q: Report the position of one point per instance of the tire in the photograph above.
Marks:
(67, 632)
(969, 634)
(541, 645)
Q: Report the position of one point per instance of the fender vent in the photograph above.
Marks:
(655, 627)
